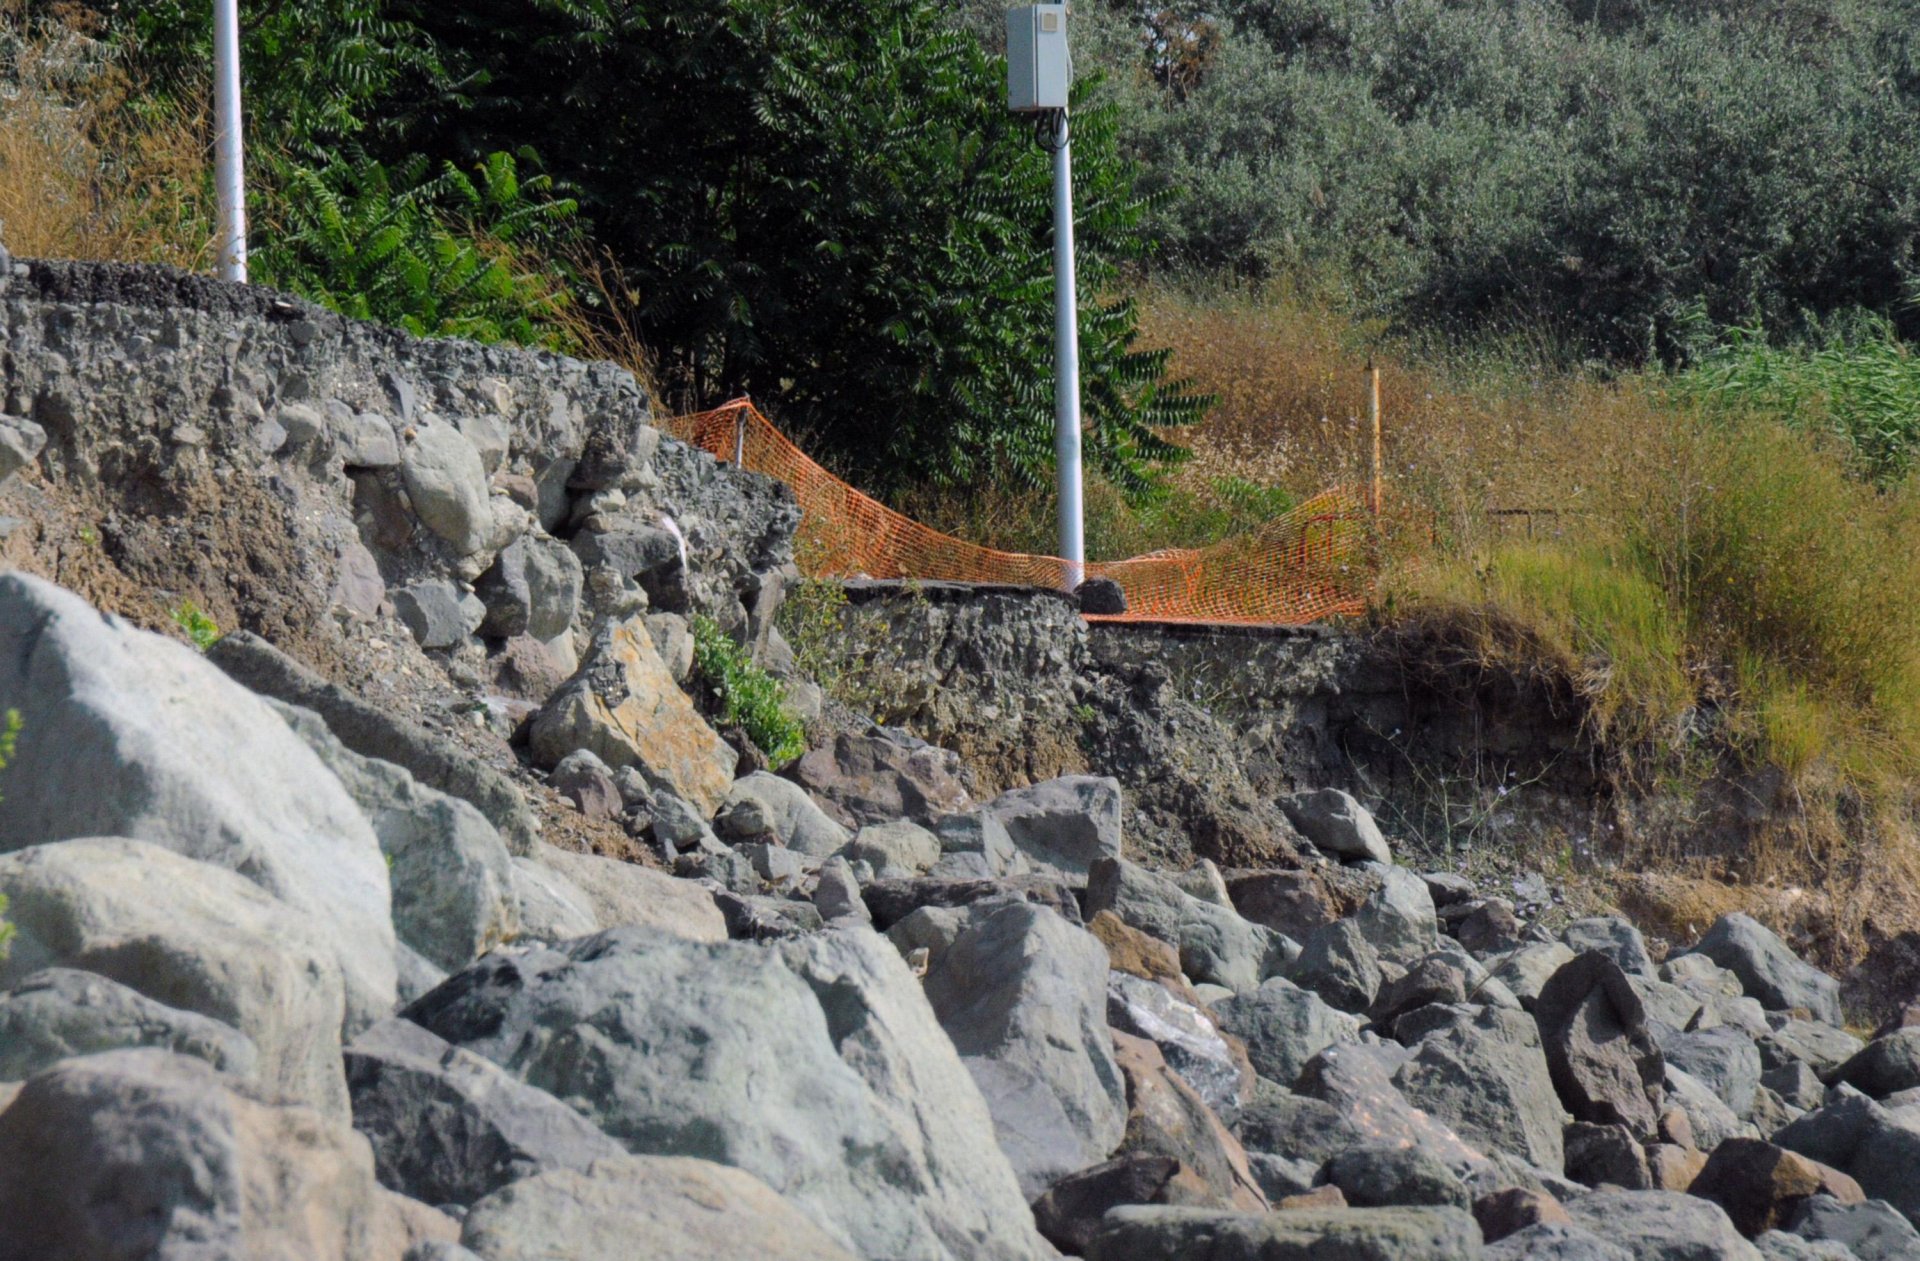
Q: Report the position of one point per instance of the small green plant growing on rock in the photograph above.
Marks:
(748, 695)
(198, 627)
(10, 726)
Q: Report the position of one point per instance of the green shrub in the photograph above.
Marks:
(747, 694)
(198, 627)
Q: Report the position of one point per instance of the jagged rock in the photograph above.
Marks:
(1292, 903)
(626, 893)
(1796, 1084)
(976, 844)
(1283, 1178)
(1398, 917)
(777, 1059)
(1023, 995)
(1673, 1168)
(448, 1127)
(56, 1013)
(1062, 825)
(1333, 821)
(583, 779)
(676, 821)
(1762, 1186)
(1770, 1112)
(1885, 1065)
(837, 895)
(1218, 1071)
(1070, 1213)
(624, 705)
(1488, 1080)
(1337, 963)
(762, 804)
(197, 936)
(1383, 1175)
(1527, 970)
(1101, 596)
(898, 850)
(21, 442)
(1777, 1245)
(1277, 1123)
(1662, 1226)
(1490, 928)
(1877, 1147)
(552, 907)
(1613, 937)
(630, 550)
(135, 735)
(1769, 970)
(663, 1208)
(893, 900)
(1604, 1062)
(1873, 1231)
(1821, 1047)
(362, 440)
(876, 779)
(372, 732)
(1284, 1026)
(1434, 979)
(447, 483)
(1555, 1242)
(1711, 1119)
(451, 875)
(532, 589)
(1204, 881)
(145, 1153)
(1358, 1080)
(1513, 1209)
(1447, 888)
(1138, 954)
(438, 612)
(1166, 1118)
(751, 917)
(1722, 1059)
(1353, 1234)
(1606, 1155)
(1215, 944)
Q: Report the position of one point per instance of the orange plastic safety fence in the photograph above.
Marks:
(1315, 562)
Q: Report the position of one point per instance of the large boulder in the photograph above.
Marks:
(447, 484)
(1873, 1231)
(1218, 1070)
(779, 1060)
(1165, 1117)
(148, 1154)
(532, 589)
(762, 805)
(626, 893)
(132, 734)
(1885, 1065)
(1723, 1058)
(1386, 1174)
(1555, 1241)
(1769, 969)
(58, 1013)
(1613, 937)
(894, 851)
(1488, 1079)
(1662, 1226)
(624, 706)
(192, 936)
(1353, 1234)
(663, 1208)
(878, 778)
(1398, 917)
(1708, 1116)
(1819, 1046)
(451, 874)
(552, 907)
(1284, 1026)
(1879, 1148)
(1605, 1064)
(1337, 963)
(1063, 825)
(1357, 1080)
(1023, 995)
(448, 1127)
(1215, 944)
(1337, 824)
(1762, 1187)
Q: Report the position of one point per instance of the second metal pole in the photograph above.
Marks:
(1066, 362)
(229, 164)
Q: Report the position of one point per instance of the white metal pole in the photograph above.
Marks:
(229, 161)
(1066, 360)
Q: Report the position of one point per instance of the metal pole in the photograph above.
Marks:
(1066, 360)
(230, 172)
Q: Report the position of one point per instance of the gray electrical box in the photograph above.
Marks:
(1038, 67)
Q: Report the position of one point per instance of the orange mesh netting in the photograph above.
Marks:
(1314, 562)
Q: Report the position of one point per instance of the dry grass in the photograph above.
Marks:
(86, 170)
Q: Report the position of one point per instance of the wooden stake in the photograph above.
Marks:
(1373, 414)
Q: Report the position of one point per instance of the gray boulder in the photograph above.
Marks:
(451, 874)
(1063, 825)
(1215, 944)
(1821, 1047)
(1398, 917)
(1488, 1079)
(1879, 1148)
(1526, 971)
(1724, 1059)
(552, 907)
(1284, 1026)
(898, 850)
(1023, 995)
(778, 1060)
(57, 1013)
(1188, 1038)
(1153, 1233)
(1712, 1120)
(760, 805)
(447, 484)
(1604, 1062)
(1873, 1231)
(148, 1154)
(448, 1127)
(1796, 1084)
(439, 612)
(837, 894)
(1613, 937)
(1277, 1123)
(878, 778)
(1357, 1079)
(1769, 969)
(1338, 824)
(1777, 1245)
(626, 893)
(1885, 1065)
(1554, 1241)
(1383, 1175)
(193, 936)
(1662, 1225)
(21, 441)
(1337, 963)
(663, 1208)
(131, 734)
(532, 589)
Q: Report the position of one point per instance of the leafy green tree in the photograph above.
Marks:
(825, 205)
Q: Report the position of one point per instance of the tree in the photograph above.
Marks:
(825, 205)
